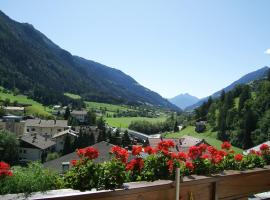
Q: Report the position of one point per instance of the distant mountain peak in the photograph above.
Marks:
(184, 100)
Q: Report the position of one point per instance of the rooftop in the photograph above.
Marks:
(46, 123)
(37, 141)
(79, 112)
(102, 147)
(68, 131)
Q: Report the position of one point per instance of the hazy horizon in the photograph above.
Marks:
(171, 48)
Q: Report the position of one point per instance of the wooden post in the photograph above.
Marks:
(177, 180)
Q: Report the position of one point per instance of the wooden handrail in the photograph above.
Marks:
(224, 186)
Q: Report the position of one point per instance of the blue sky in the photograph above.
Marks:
(170, 47)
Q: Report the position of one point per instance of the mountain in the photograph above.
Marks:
(33, 64)
(248, 78)
(184, 100)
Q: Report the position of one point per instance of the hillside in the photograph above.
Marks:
(31, 107)
(32, 63)
(248, 78)
(241, 115)
(184, 100)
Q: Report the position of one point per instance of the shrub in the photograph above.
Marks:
(28, 179)
(112, 175)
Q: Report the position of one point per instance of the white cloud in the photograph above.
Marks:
(267, 51)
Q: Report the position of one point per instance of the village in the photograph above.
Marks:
(53, 142)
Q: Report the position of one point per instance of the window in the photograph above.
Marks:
(28, 130)
(59, 130)
(24, 151)
(20, 151)
(33, 129)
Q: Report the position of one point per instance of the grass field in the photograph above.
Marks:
(109, 107)
(123, 122)
(209, 136)
(35, 108)
(72, 96)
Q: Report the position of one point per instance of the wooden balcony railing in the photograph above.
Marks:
(225, 186)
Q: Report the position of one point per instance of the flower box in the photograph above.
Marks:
(224, 186)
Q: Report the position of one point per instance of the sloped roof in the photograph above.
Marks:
(182, 144)
(79, 112)
(37, 141)
(102, 147)
(46, 123)
(68, 131)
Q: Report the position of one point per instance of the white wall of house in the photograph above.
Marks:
(30, 154)
(79, 117)
(43, 131)
(60, 141)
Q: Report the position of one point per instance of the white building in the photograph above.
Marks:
(60, 137)
(80, 115)
(34, 147)
(45, 128)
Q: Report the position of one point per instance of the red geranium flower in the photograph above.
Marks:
(189, 165)
(194, 152)
(174, 155)
(136, 150)
(73, 162)
(203, 147)
(170, 164)
(149, 150)
(264, 147)
(226, 145)
(238, 157)
(120, 153)
(182, 156)
(135, 164)
(165, 145)
(5, 169)
(80, 152)
(91, 153)
(216, 159)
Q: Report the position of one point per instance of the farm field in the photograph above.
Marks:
(35, 108)
(72, 96)
(123, 122)
(106, 106)
(209, 136)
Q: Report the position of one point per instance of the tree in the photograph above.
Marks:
(268, 75)
(244, 96)
(2, 111)
(175, 128)
(6, 102)
(91, 118)
(222, 96)
(9, 147)
(52, 156)
(92, 139)
(68, 147)
(126, 139)
(67, 113)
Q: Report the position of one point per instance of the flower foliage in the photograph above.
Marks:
(151, 164)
